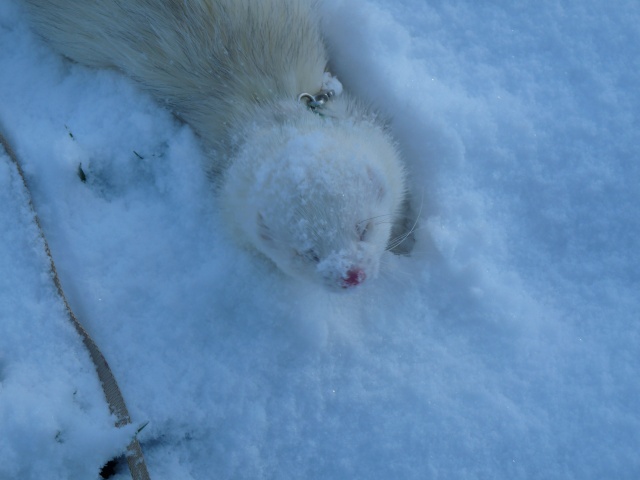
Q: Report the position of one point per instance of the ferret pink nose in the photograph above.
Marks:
(355, 276)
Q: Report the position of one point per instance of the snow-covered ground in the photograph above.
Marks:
(507, 346)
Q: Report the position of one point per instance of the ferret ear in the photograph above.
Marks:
(263, 231)
(378, 184)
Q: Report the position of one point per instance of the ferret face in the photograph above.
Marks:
(331, 237)
(320, 203)
(331, 227)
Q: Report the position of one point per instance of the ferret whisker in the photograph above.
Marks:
(370, 219)
(397, 241)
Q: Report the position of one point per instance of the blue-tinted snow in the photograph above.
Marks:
(507, 346)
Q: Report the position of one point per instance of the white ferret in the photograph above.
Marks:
(306, 175)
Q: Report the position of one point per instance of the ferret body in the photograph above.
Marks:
(306, 175)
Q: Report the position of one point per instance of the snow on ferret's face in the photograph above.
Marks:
(327, 220)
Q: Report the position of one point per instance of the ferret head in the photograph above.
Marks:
(321, 203)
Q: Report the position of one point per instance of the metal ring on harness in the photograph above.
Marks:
(318, 100)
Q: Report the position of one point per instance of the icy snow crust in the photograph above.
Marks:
(506, 346)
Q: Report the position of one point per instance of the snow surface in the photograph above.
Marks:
(507, 346)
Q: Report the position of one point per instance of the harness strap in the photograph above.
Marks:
(134, 455)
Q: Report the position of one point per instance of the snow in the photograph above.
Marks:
(506, 345)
